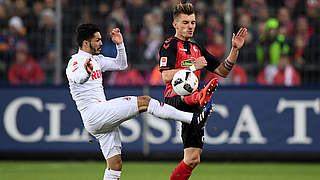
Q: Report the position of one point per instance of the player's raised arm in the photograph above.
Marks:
(237, 43)
(120, 62)
(78, 72)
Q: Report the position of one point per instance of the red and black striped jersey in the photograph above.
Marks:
(178, 54)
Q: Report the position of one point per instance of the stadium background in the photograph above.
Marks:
(268, 109)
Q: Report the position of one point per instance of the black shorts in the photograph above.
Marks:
(192, 135)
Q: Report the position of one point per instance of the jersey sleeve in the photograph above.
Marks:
(213, 62)
(76, 72)
(168, 55)
(118, 63)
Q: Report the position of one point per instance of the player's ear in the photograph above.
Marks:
(85, 42)
(174, 24)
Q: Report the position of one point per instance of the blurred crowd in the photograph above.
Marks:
(282, 46)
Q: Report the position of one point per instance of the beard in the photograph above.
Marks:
(95, 51)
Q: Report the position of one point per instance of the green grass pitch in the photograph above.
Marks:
(84, 170)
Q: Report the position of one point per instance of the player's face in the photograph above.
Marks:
(96, 44)
(185, 25)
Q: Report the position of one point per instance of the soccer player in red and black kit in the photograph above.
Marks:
(179, 52)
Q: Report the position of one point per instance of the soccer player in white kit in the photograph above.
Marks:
(102, 117)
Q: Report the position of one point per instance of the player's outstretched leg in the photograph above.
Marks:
(206, 93)
(167, 112)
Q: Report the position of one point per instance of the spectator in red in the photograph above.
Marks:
(25, 70)
(266, 75)
(283, 74)
(286, 75)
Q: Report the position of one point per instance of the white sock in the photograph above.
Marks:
(111, 174)
(167, 112)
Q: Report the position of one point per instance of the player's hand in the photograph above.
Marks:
(88, 66)
(238, 40)
(201, 62)
(116, 36)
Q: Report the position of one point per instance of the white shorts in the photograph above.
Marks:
(110, 143)
(102, 120)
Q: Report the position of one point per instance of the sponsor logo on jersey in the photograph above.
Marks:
(75, 63)
(187, 62)
(181, 49)
(163, 61)
(96, 74)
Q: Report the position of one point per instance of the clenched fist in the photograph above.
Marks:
(88, 66)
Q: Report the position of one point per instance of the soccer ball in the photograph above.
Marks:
(184, 82)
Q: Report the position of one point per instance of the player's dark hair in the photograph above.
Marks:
(86, 32)
(186, 8)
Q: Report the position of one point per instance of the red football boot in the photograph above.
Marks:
(206, 93)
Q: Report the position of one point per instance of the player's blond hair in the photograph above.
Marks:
(186, 8)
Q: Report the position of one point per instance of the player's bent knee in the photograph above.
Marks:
(117, 166)
(144, 99)
(143, 102)
(115, 163)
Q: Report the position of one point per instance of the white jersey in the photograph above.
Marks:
(87, 88)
